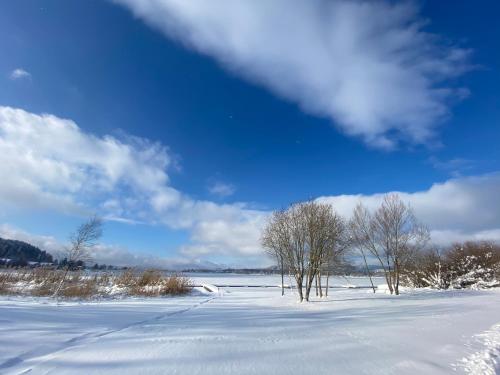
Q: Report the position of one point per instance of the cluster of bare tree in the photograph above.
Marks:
(309, 240)
(392, 235)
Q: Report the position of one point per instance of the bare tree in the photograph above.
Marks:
(325, 238)
(392, 235)
(274, 240)
(360, 236)
(305, 237)
(81, 243)
(285, 234)
(335, 257)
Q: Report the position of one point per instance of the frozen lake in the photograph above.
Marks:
(232, 279)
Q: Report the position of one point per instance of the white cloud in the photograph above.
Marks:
(368, 66)
(234, 234)
(49, 163)
(456, 210)
(19, 73)
(218, 229)
(221, 189)
(445, 237)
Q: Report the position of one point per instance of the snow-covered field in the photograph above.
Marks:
(251, 330)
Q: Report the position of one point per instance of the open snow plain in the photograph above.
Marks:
(253, 330)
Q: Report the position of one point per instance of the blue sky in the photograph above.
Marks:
(249, 107)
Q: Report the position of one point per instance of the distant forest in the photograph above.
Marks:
(23, 252)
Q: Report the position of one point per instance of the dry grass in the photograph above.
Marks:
(5, 283)
(149, 278)
(84, 290)
(126, 278)
(44, 282)
(154, 283)
(43, 290)
(176, 285)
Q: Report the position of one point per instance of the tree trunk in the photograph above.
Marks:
(327, 280)
(56, 293)
(388, 280)
(319, 285)
(309, 280)
(396, 276)
(388, 276)
(316, 284)
(299, 289)
(368, 271)
(282, 279)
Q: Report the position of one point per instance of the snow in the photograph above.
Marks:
(487, 360)
(253, 330)
(210, 288)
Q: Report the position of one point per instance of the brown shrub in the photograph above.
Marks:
(86, 289)
(462, 265)
(150, 277)
(44, 290)
(127, 278)
(176, 285)
(7, 281)
(5, 288)
(47, 275)
(486, 253)
(4, 278)
(44, 282)
(153, 283)
(146, 284)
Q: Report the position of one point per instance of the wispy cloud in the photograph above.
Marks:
(455, 167)
(369, 66)
(221, 189)
(19, 73)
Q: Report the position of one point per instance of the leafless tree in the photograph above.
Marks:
(326, 238)
(360, 236)
(305, 236)
(392, 235)
(81, 243)
(285, 236)
(274, 240)
(335, 258)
